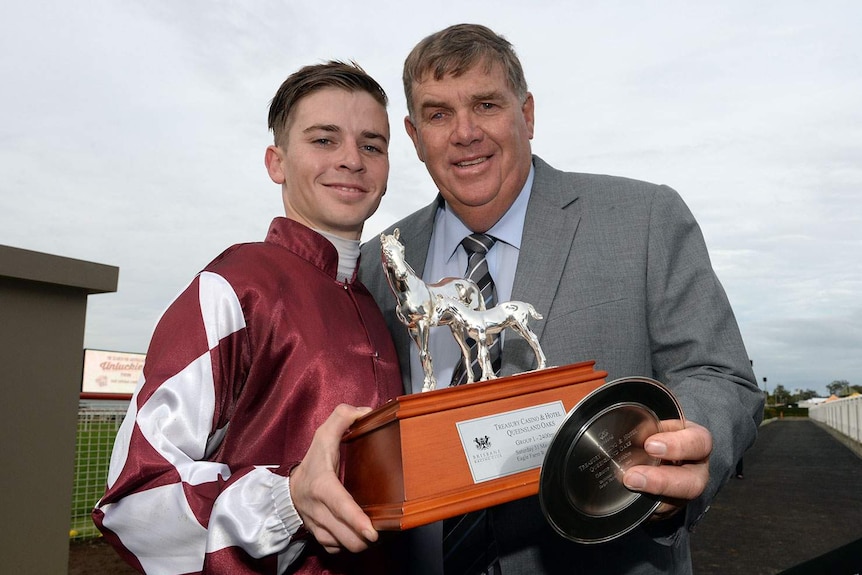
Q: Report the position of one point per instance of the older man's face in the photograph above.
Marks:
(473, 134)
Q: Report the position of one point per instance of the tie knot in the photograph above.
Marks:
(478, 243)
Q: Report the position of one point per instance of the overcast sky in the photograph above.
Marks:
(133, 135)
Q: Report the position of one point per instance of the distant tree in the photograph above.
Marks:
(839, 387)
(780, 394)
(805, 394)
(856, 388)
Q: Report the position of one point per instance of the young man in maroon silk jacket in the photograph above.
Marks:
(227, 461)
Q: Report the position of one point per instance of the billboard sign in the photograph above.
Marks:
(111, 371)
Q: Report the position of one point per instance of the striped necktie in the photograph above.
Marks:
(477, 246)
(469, 546)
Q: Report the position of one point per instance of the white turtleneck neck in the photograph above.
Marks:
(348, 254)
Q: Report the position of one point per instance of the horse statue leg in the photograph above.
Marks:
(448, 315)
(461, 340)
(524, 331)
(484, 356)
(420, 335)
(541, 360)
(519, 321)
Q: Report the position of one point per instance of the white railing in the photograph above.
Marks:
(843, 415)
(98, 422)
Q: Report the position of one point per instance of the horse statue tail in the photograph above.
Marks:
(532, 311)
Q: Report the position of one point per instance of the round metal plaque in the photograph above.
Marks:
(580, 487)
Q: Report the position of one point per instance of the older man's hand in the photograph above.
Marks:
(684, 449)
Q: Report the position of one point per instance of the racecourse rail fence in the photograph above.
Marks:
(99, 418)
(844, 415)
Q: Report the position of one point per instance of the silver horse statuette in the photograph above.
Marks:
(456, 302)
(484, 324)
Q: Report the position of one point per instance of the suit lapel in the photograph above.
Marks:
(549, 230)
(417, 238)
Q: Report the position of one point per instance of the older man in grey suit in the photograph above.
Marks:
(617, 267)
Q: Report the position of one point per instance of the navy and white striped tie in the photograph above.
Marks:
(469, 546)
(477, 246)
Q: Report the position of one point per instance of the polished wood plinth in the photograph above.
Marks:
(405, 463)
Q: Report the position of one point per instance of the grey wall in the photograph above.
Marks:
(43, 304)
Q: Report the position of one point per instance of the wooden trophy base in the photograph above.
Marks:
(429, 456)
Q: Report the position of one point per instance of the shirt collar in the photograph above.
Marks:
(305, 243)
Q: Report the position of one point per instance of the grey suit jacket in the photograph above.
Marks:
(620, 271)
